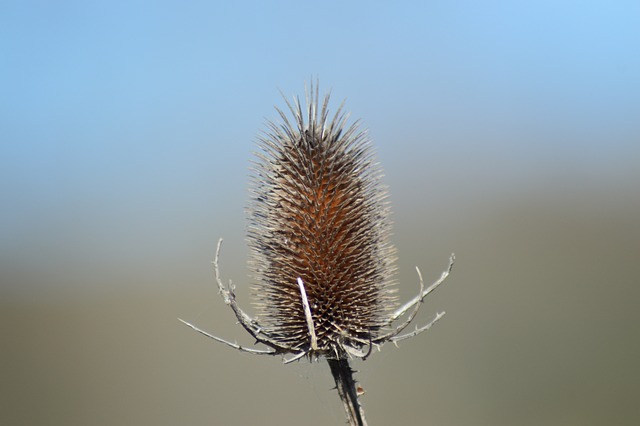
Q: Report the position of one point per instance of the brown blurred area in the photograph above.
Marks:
(541, 325)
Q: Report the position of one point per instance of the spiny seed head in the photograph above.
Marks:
(318, 212)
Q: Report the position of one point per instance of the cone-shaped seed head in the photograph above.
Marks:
(318, 212)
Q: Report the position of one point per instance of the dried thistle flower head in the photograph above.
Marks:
(319, 223)
(321, 255)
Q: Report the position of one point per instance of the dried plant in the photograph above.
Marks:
(321, 255)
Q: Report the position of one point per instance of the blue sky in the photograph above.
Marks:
(115, 115)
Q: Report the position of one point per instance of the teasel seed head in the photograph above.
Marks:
(319, 229)
(321, 255)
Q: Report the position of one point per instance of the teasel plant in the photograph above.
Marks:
(321, 256)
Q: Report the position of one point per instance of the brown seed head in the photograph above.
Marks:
(318, 212)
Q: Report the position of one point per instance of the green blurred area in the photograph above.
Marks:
(541, 325)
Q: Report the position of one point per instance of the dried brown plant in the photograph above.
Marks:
(321, 256)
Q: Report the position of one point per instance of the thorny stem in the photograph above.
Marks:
(347, 389)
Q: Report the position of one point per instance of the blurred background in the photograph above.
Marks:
(509, 133)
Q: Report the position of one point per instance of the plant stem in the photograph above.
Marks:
(347, 389)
